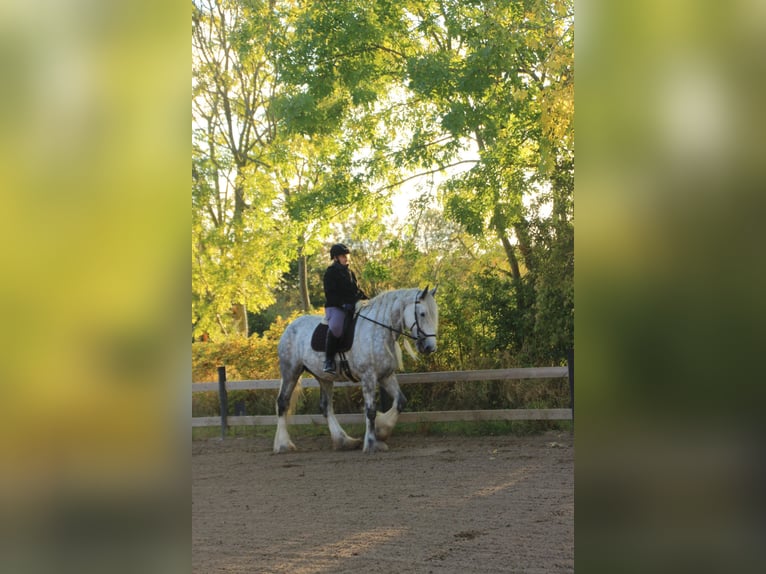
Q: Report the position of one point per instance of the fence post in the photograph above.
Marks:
(224, 400)
(570, 366)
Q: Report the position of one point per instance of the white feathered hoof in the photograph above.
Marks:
(384, 424)
(382, 434)
(282, 442)
(282, 448)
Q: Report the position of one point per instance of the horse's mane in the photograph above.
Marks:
(394, 295)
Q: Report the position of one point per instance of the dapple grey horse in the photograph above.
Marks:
(373, 359)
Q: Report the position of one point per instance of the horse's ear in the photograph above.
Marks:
(424, 293)
(433, 291)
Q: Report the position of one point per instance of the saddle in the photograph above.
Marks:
(319, 337)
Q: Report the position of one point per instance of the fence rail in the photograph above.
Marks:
(223, 386)
(404, 378)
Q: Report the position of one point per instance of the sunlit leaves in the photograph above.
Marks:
(431, 75)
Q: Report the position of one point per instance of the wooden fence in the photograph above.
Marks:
(223, 386)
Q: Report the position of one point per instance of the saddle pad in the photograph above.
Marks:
(319, 337)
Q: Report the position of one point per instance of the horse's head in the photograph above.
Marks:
(425, 320)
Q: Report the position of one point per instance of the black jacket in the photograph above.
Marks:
(340, 286)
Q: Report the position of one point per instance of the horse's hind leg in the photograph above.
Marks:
(385, 422)
(282, 442)
(340, 440)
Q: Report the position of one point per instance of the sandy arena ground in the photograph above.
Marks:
(429, 504)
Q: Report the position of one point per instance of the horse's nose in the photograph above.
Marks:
(429, 346)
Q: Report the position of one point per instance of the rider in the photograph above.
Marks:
(341, 294)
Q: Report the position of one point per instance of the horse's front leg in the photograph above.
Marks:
(340, 440)
(371, 443)
(385, 422)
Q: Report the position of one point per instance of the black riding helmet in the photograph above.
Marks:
(338, 249)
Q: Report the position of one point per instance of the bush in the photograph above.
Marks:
(245, 358)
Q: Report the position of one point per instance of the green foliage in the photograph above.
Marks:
(431, 74)
(251, 357)
(374, 272)
(275, 153)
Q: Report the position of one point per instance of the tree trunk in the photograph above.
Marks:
(525, 245)
(239, 310)
(499, 223)
(511, 255)
(239, 196)
(239, 319)
(303, 282)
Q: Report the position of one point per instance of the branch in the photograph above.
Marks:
(421, 146)
(380, 190)
(422, 174)
(389, 50)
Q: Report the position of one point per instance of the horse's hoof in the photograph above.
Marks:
(282, 448)
(384, 424)
(376, 446)
(382, 434)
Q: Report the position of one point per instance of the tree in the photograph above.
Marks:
(237, 255)
(501, 74)
(275, 166)
(491, 77)
(308, 115)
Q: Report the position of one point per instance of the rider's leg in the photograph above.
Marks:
(335, 319)
(331, 344)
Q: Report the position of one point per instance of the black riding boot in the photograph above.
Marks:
(330, 346)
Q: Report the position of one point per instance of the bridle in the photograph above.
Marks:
(421, 335)
(416, 323)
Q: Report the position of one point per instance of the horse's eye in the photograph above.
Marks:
(422, 314)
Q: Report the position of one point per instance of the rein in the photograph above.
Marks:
(389, 327)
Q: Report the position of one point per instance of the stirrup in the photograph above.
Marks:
(329, 366)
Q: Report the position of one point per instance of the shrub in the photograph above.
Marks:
(253, 357)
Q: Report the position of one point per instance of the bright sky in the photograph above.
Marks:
(414, 188)
(410, 190)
